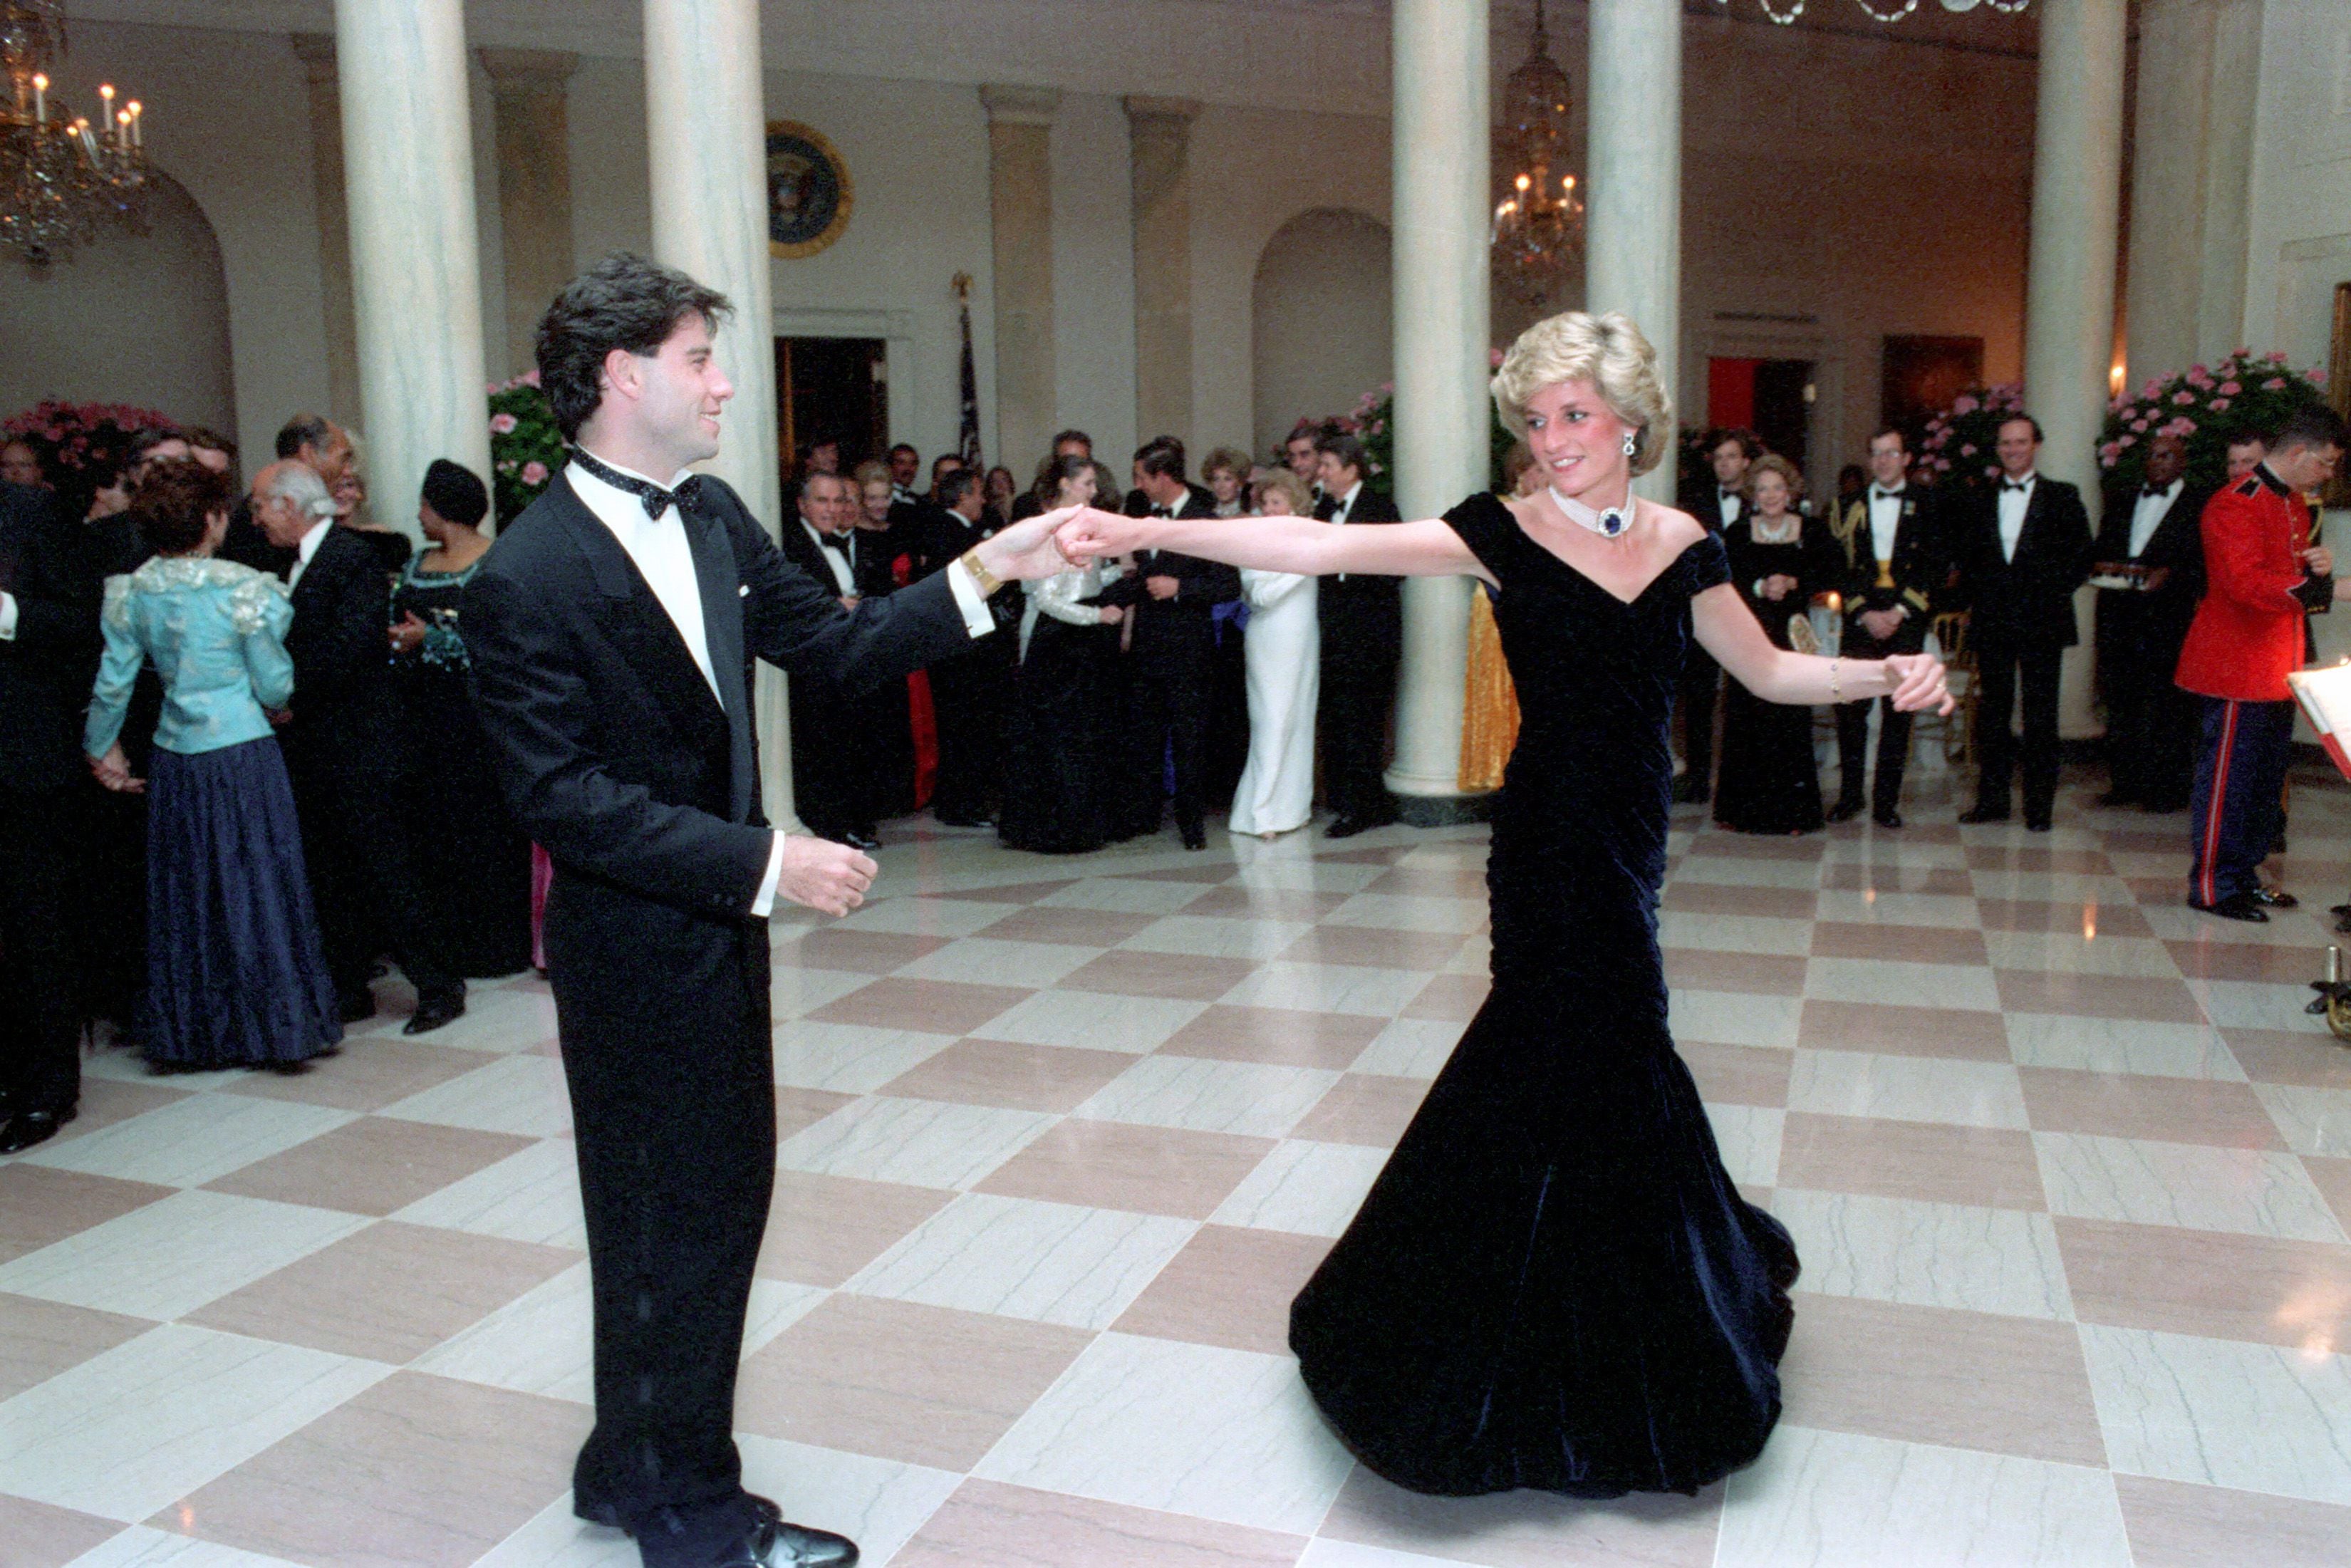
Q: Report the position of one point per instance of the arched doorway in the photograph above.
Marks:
(132, 318)
(1323, 315)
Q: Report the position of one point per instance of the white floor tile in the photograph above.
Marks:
(1917, 985)
(1927, 1254)
(2121, 1045)
(1329, 988)
(1749, 1139)
(191, 1140)
(1209, 936)
(878, 1503)
(1125, 895)
(2222, 1413)
(2252, 1191)
(1049, 1262)
(2313, 1120)
(523, 1094)
(170, 1258)
(1311, 1188)
(1735, 933)
(1410, 1047)
(2065, 953)
(949, 917)
(988, 961)
(921, 1143)
(796, 992)
(848, 1058)
(1731, 1018)
(500, 1021)
(1402, 912)
(530, 1196)
(1253, 1098)
(1867, 907)
(1092, 1019)
(1907, 1088)
(141, 1547)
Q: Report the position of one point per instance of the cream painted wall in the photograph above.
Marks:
(1093, 279)
(1324, 310)
(2300, 246)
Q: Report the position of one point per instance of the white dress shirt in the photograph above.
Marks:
(1347, 502)
(1885, 521)
(8, 617)
(2013, 505)
(1728, 502)
(2148, 515)
(662, 555)
(306, 550)
(843, 562)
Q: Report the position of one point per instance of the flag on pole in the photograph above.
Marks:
(968, 440)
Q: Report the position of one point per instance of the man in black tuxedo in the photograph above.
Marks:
(1730, 454)
(2154, 527)
(48, 657)
(1362, 622)
(969, 689)
(2022, 547)
(1897, 567)
(1173, 648)
(833, 767)
(344, 755)
(611, 633)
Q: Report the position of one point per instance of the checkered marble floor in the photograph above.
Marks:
(2069, 1165)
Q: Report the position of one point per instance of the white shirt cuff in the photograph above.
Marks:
(969, 599)
(761, 906)
(8, 617)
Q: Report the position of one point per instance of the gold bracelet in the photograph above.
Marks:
(987, 582)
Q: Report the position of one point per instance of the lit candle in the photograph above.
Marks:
(105, 112)
(137, 138)
(40, 99)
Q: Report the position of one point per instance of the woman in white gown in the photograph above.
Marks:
(1285, 661)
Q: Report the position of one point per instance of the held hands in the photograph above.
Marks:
(1778, 586)
(1089, 533)
(828, 878)
(1112, 614)
(113, 770)
(1027, 550)
(408, 635)
(1918, 683)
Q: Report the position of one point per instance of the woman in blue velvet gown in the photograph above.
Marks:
(1554, 1282)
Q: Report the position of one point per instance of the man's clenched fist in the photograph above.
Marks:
(824, 877)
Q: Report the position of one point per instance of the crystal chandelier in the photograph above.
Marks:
(1785, 12)
(1539, 226)
(59, 174)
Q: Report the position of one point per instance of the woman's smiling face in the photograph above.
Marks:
(1577, 439)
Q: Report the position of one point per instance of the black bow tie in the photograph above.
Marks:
(2016, 484)
(1878, 495)
(833, 542)
(686, 497)
(1163, 511)
(2156, 490)
(1729, 495)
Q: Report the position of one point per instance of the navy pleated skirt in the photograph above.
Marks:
(236, 976)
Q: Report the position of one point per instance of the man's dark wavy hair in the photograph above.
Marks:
(622, 302)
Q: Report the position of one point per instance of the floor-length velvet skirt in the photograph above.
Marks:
(236, 976)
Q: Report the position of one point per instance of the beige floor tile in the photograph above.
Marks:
(1719, 898)
(1178, 977)
(42, 1536)
(1992, 1167)
(861, 952)
(1000, 1072)
(2208, 1283)
(390, 1293)
(933, 1007)
(372, 1166)
(1934, 881)
(107, 1101)
(1892, 1029)
(2097, 996)
(421, 1471)
(367, 1075)
(1453, 998)
(1123, 1164)
(801, 1108)
(1280, 1036)
(1530, 1530)
(1904, 944)
(928, 1385)
(1074, 927)
(2174, 1524)
(2245, 961)
(1431, 882)
(1738, 1074)
(1934, 1375)
(2333, 1178)
(2133, 1105)
(1230, 1286)
(1362, 1108)
(39, 1206)
(1374, 947)
(2019, 857)
(2103, 918)
(1016, 893)
(1759, 974)
(2312, 1059)
(40, 1339)
(1249, 902)
(987, 1524)
(823, 1229)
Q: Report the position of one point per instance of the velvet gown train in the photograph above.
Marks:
(1554, 1282)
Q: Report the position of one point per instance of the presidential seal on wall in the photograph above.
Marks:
(809, 192)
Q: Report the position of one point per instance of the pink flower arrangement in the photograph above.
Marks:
(526, 447)
(2204, 405)
(1969, 429)
(503, 423)
(534, 472)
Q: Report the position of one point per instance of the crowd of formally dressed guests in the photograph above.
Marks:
(269, 687)
(2203, 599)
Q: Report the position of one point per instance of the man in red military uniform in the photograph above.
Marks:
(2264, 575)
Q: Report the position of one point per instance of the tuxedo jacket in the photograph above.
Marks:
(1202, 585)
(345, 721)
(1357, 599)
(48, 667)
(2027, 602)
(943, 537)
(809, 555)
(1920, 566)
(2147, 627)
(613, 749)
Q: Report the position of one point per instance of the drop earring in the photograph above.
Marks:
(1632, 444)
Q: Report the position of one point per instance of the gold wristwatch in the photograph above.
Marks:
(987, 582)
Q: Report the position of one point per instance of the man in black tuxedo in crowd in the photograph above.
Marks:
(611, 631)
(344, 755)
(1897, 566)
(1174, 647)
(2022, 547)
(2155, 528)
(969, 688)
(1302, 454)
(48, 658)
(1362, 622)
(832, 774)
(1729, 453)
(906, 467)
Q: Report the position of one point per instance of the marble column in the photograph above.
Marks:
(1161, 133)
(1441, 168)
(528, 90)
(2069, 313)
(1021, 202)
(2199, 71)
(416, 276)
(707, 126)
(1633, 213)
(316, 53)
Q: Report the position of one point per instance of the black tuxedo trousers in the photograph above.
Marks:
(1893, 728)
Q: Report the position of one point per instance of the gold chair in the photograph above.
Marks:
(1950, 631)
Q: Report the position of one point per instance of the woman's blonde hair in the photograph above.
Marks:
(869, 472)
(1234, 463)
(1291, 487)
(1607, 352)
(1773, 463)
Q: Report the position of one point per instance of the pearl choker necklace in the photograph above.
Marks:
(1609, 523)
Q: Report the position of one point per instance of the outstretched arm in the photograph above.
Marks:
(1731, 633)
(1299, 544)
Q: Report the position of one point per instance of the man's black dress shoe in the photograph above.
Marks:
(2036, 824)
(433, 1012)
(1196, 839)
(1985, 814)
(2340, 911)
(1888, 817)
(28, 1128)
(2236, 906)
(358, 1007)
(1342, 828)
(781, 1544)
(1845, 810)
(2275, 898)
